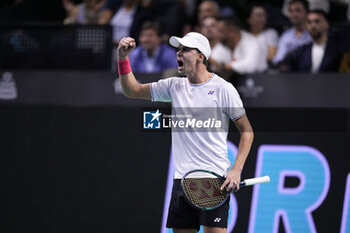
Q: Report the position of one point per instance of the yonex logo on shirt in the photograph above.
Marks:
(210, 92)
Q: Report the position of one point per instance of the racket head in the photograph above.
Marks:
(202, 189)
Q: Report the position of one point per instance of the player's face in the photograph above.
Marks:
(187, 59)
(317, 25)
(297, 13)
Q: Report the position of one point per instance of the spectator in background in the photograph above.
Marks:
(323, 54)
(207, 8)
(313, 4)
(297, 35)
(152, 55)
(126, 18)
(87, 12)
(170, 14)
(248, 55)
(219, 52)
(190, 7)
(268, 37)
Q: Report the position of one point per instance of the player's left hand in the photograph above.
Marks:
(232, 180)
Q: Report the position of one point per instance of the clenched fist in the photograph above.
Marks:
(126, 45)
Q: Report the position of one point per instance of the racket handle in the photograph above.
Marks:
(258, 180)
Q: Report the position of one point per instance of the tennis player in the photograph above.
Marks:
(194, 150)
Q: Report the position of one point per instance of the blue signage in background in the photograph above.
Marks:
(279, 201)
(345, 223)
(294, 205)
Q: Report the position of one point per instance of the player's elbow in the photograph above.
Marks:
(248, 135)
(130, 90)
(130, 94)
(251, 136)
(138, 91)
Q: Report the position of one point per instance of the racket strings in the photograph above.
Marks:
(204, 192)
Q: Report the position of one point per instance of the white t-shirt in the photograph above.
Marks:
(267, 38)
(248, 55)
(221, 53)
(121, 22)
(196, 149)
(317, 53)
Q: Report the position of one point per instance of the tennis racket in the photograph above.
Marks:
(202, 188)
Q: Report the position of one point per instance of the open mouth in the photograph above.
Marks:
(180, 63)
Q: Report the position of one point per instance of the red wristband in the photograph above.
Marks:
(124, 67)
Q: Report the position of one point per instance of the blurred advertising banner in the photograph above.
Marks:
(103, 88)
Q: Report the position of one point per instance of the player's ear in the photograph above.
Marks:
(202, 57)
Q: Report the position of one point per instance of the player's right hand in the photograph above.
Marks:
(126, 45)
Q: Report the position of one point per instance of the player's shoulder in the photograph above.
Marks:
(223, 86)
(176, 79)
(171, 81)
(222, 82)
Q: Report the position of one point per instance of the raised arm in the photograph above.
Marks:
(131, 88)
(234, 176)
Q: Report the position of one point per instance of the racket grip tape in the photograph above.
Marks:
(258, 180)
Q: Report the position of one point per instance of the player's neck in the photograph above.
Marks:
(199, 76)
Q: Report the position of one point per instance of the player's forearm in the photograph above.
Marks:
(127, 78)
(131, 88)
(244, 146)
(130, 85)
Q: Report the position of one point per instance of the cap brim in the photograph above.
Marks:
(176, 41)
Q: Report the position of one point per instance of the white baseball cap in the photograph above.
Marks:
(192, 40)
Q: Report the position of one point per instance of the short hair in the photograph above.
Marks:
(153, 26)
(303, 2)
(251, 7)
(215, 4)
(320, 12)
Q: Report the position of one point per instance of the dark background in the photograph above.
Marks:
(73, 163)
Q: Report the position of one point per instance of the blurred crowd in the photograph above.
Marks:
(245, 36)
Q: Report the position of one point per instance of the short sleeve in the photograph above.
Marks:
(160, 90)
(233, 105)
